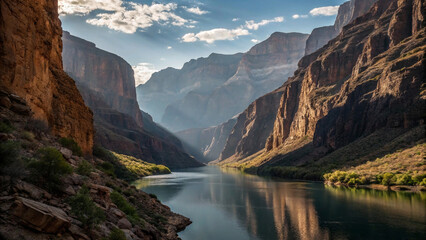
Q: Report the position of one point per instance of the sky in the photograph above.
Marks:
(153, 35)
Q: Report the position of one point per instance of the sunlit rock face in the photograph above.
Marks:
(31, 67)
(367, 78)
(348, 11)
(106, 83)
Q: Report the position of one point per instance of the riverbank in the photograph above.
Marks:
(396, 188)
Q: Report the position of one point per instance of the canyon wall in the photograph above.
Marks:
(31, 67)
(369, 77)
(106, 82)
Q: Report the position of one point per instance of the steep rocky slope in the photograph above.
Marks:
(86, 201)
(260, 70)
(369, 77)
(348, 11)
(31, 67)
(196, 76)
(106, 82)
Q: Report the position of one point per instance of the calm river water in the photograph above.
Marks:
(226, 204)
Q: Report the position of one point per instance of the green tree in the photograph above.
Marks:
(50, 167)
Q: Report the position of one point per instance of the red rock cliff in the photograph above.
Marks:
(31, 67)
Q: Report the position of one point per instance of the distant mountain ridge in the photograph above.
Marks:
(247, 77)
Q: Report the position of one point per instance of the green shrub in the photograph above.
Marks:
(354, 181)
(50, 168)
(116, 234)
(107, 168)
(85, 210)
(6, 127)
(72, 145)
(84, 168)
(103, 154)
(9, 152)
(388, 179)
(404, 179)
(27, 136)
(153, 195)
(418, 178)
(122, 204)
(423, 182)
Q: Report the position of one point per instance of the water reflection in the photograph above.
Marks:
(225, 204)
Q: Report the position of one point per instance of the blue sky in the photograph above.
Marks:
(152, 35)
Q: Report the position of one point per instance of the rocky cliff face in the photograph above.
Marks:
(369, 77)
(106, 82)
(105, 73)
(260, 70)
(196, 76)
(348, 11)
(31, 67)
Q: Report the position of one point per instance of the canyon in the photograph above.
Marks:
(368, 78)
(241, 140)
(107, 84)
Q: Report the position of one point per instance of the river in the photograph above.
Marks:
(227, 204)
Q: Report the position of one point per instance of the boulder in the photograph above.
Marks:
(124, 224)
(77, 232)
(5, 102)
(33, 191)
(66, 153)
(39, 216)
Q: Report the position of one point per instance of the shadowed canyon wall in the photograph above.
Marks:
(107, 84)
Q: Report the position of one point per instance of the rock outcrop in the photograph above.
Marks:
(106, 83)
(40, 216)
(348, 11)
(369, 77)
(31, 67)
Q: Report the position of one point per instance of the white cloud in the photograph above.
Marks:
(252, 25)
(143, 72)
(189, 37)
(83, 7)
(255, 40)
(216, 34)
(125, 19)
(140, 16)
(169, 47)
(297, 16)
(195, 10)
(235, 19)
(325, 11)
